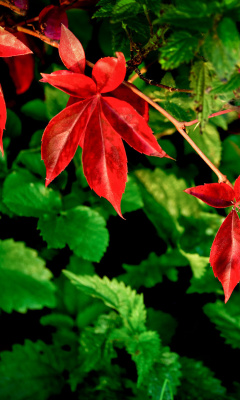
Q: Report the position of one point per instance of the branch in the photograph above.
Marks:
(39, 35)
(210, 116)
(17, 10)
(154, 83)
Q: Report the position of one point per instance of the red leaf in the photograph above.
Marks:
(71, 51)
(61, 137)
(237, 189)
(22, 4)
(21, 70)
(225, 254)
(10, 45)
(126, 94)
(218, 195)
(109, 72)
(3, 118)
(77, 85)
(50, 20)
(104, 159)
(131, 126)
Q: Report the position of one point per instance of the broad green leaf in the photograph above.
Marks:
(31, 371)
(13, 124)
(144, 349)
(26, 196)
(163, 205)
(125, 9)
(115, 295)
(151, 271)
(31, 159)
(24, 280)
(200, 82)
(230, 164)
(35, 109)
(198, 382)
(230, 86)
(55, 101)
(222, 48)
(208, 141)
(79, 23)
(197, 263)
(163, 323)
(83, 229)
(226, 318)
(132, 199)
(207, 283)
(180, 47)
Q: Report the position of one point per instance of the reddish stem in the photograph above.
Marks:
(39, 35)
(210, 116)
(13, 8)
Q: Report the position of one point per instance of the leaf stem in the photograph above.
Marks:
(210, 116)
(17, 10)
(39, 35)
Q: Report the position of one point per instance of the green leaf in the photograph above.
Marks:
(79, 23)
(207, 283)
(197, 263)
(35, 109)
(132, 199)
(200, 82)
(144, 349)
(163, 205)
(31, 159)
(125, 9)
(208, 141)
(151, 271)
(55, 101)
(226, 318)
(83, 229)
(179, 48)
(198, 382)
(163, 323)
(25, 282)
(115, 295)
(231, 157)
(222, 48)
(13, 124)
(32, 371)
(230, 86)
(26, 196)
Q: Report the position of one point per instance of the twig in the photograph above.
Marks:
(154, 83)
(180, 127)
(210, 116)
(39, 35)
(17, 10)
(29, 21)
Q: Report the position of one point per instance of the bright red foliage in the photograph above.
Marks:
(10, 45)
(225, 251)
(95, 120)
(3, 117)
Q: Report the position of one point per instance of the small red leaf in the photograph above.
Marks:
(131, 126)
(71, 51)
(61, 137)
(126, 94)
(104, 159)
(237, 189)
(3, 118)
(77, 85)
(22, 4)
(50, 20)
(21, 70)
(218, 195)
(109, 72)
(10, 45)
(225, 254)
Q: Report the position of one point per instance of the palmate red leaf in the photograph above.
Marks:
(237, 189)
(3, 118)
(218, 195)
(99, 128)
(225, 254)
(10, 45)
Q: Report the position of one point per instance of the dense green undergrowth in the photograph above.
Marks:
(97, 337)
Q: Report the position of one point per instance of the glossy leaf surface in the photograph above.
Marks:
(225, 254)
(71, 51)
(10, 45)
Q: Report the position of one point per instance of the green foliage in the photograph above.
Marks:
(33, 369)
(25, 282)
(226, 319)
